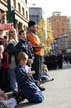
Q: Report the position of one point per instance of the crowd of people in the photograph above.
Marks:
(57, 61)
(54, 61)
(19, 55)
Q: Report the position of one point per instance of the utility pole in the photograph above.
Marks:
(9, 14)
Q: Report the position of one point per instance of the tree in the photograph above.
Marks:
(45, 33)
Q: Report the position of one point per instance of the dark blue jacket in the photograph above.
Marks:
(25, 84)
(11, 50)
(24, 46)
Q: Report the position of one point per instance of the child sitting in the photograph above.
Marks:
(44, 74)
(26, 85)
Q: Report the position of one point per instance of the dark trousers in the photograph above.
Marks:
(37, 66)
(4, 80)
(0, 77)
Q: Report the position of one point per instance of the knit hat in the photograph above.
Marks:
(31, 23)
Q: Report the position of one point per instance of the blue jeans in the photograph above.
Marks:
(13, 82)
(36, 97)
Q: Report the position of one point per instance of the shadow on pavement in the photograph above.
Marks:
(21, 105)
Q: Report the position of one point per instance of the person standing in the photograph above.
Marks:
(24, 46)
(38, 48)
(1, 57)
(11, 59)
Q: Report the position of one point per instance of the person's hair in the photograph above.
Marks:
(21, 31)
(10, 36)
(44, 67)
(22, 56)
(31, 23)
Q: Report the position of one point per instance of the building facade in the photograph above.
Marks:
(63, 43)
(69, 24)
(21, 12)
(35, 14)
(58, 23)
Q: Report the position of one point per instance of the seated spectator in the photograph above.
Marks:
(44, 74)
(3, 96)
(26, 85)
(6, 102)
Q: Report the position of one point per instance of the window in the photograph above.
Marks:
(14, 3)
(24, 27)
(54, 19)
(26, 14)
(26, 1)
(62, 29)
(57, 30)
(19, 7)
(23, 11)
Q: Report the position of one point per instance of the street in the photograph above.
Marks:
(57, 93)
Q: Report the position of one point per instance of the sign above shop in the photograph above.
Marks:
(7, 26)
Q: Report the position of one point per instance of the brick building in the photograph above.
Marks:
(58, 23)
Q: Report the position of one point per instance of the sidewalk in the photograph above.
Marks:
(57, 93)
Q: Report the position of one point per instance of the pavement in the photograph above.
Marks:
(57, 93)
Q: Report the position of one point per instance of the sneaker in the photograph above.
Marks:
(18, 97)
(41, 88)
